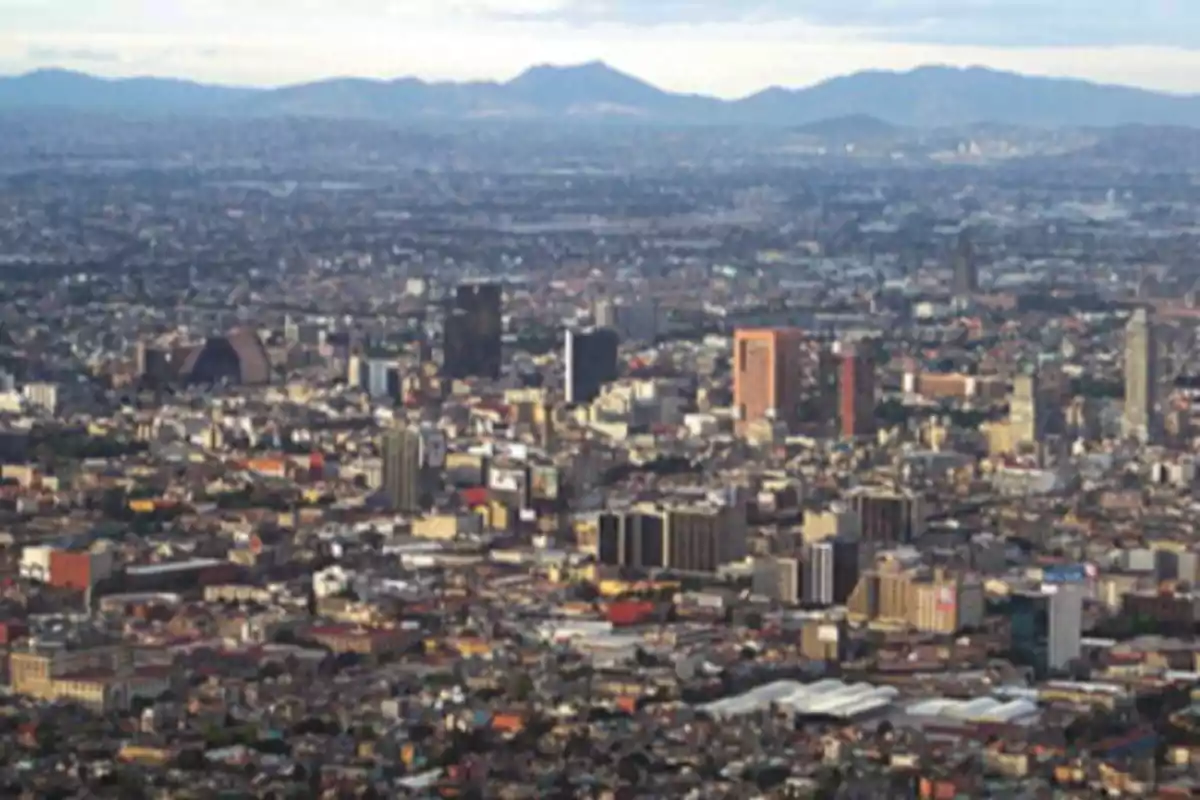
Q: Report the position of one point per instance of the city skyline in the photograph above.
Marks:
(705, 47)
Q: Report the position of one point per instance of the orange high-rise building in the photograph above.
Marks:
(767, 374)
(857, 393)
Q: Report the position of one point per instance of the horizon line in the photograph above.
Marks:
(584, 64)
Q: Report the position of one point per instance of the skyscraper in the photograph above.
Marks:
(831, 571)
(856, 400)
(473, 330)
(767, 374)
(402, 469)
(1026, 413)
(1066, 625)
(966, 274)
(590, 361)
(1140, 420)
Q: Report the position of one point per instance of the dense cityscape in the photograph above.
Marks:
(362, 459)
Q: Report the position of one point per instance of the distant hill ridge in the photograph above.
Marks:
(925, 97)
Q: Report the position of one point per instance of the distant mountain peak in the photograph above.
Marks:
(590, 73)
(582, 68)
(589, 83)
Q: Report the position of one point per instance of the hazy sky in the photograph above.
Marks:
(725, 47)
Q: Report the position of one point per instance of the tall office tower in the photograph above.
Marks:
(767, 374)
(1065, 626)
(702, 537)
(697, 538)
(856, 400)
(831, 571)
(966, 273)
(590, 360)
(819, 382)
(1026, 415)
(473, 331)
(1140, 420)
(402, 469)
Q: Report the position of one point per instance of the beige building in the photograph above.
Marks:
(932, 601)
(103, 678)
(830, 524)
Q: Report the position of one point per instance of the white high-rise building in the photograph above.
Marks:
(1065, 625)
(1141, 377)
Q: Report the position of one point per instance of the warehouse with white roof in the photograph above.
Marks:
(980, 709)
(831, 698)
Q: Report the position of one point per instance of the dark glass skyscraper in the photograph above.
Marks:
(966, 273)
(473, 331)
(590, 361)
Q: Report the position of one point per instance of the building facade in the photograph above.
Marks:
(856, 393)
(473, 331)
(402, 478)
(590, 361)
(1141, 377)
(767, 375)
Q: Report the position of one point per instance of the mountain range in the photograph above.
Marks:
(926, 97)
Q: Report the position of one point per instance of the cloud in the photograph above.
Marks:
(1006, 23)
(77, 54)
(1000, 23)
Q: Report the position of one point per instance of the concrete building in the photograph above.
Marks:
(41, 396)
(779, 578)
(1065, 625)
(688, 538)
(382, 378)
(402, 470)
(966, 271)
(856, 393)
(102, 677)
(888, 516)
(590, 361)
(1027, 415)
(1141, 377)
(831, 571)
(473, 331)
(898, 591)
(767, 375)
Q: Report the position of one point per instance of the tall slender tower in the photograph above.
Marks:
(1026, 415)
(856, 400)
(966, 274)
(1141, 376)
